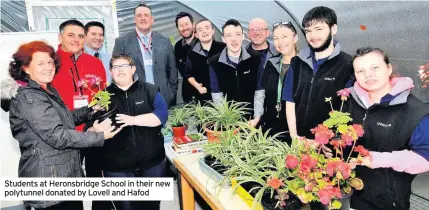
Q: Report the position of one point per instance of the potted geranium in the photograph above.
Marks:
(100, 98)
(328, 180)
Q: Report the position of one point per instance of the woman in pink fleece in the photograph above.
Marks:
(396, 128)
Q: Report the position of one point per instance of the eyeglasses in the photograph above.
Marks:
(257, 30)
(284, 23)
(123, 67)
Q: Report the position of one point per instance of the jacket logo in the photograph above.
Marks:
(330, 78)
(246, 72)
(384, 125)
(139, 102)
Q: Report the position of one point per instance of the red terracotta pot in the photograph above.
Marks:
(213, 136)
(179, 131)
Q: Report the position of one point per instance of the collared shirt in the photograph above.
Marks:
(147, 56)
(105, 59)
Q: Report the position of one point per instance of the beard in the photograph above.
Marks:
(190, 34)
(324, 46)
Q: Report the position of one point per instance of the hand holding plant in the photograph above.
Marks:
(101, 98)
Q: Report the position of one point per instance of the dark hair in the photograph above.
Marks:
(202, 20)
(366, 50)
(319, 14)
(142, 5)
(72, 22)
(183, 14)
(231, 22)
(93, 23)
(23, 56)
(121, 56)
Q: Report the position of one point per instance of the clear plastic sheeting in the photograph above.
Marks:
(400, 28)
(13, 16)
(49, 18)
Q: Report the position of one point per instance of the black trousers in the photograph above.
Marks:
(65, 205)
(155, 171)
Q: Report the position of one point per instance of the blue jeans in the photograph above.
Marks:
(155, 171)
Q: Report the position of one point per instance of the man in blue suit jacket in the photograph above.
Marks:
(152, 53)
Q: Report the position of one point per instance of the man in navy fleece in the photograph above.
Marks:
(138, 150)
(316, 73)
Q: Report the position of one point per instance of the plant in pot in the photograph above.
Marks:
(178, 120)
(328, 180)
(199, 115)
(222, 117)
(258, 167)
(100, 98)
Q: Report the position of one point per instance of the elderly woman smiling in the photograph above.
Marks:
(43, 125)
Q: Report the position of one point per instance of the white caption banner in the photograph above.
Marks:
(87, 189)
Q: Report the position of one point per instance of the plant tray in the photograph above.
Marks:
(211, 173)
(244, 195)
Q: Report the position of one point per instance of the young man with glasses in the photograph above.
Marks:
(235, 72)
(138, 150)
(197, 68)
(258, 33)
(318, 72)
(152, 53)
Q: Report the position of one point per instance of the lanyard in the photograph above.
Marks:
(279, 85)
(144, 46)
(75, 84)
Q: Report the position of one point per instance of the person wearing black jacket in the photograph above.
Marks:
(285, 40)
(184, 24)
(316, 73)
(236, 73)
(138, 150)
(197, 67)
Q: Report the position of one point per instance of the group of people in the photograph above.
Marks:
(285, 89)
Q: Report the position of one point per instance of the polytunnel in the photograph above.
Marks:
(400, 28)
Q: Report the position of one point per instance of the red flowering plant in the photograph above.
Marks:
(424, 74)
(327, 179)
(101, 97)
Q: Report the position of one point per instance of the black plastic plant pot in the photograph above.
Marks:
(213, 163)
(111, 114)
(345, 203)
(293, 203)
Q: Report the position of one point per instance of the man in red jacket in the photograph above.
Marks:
(75, 65)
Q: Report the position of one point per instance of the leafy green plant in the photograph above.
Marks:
(225, 115)
(101, 98)
(252, 157)
(179, 116)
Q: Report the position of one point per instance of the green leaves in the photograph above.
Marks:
(102, 99)
(337, 118)
(179, 116)
(336, 204)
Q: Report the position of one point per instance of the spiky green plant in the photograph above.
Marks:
(179, 116)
